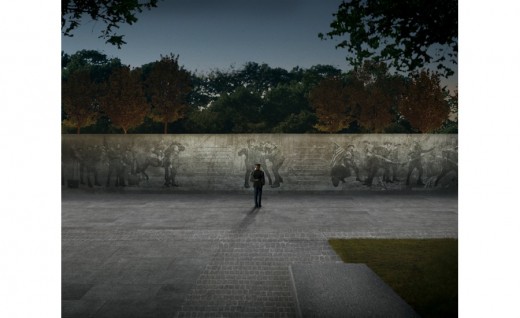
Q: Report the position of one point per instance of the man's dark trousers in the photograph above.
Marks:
(258, 196)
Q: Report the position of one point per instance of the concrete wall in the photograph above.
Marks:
(313, 162)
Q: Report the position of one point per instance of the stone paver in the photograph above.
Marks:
(345, 290)
(249, 277)
(212, 255)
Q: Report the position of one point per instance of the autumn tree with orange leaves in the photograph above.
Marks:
(124, 101)
(167, 86)
(78, 95)
(330, 103)
(423, 102)
(368, 95)
(375, 93)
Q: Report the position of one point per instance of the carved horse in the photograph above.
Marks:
(144, 160)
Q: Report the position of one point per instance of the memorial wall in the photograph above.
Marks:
(292, 162)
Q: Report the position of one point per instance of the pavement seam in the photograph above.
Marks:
(236, 266)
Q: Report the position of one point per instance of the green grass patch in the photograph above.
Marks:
(424, 272)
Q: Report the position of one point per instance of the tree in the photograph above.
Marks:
(282, 101)
(167, 86)
(330, 103)
(112, 13)
(423, 102)
(297, 123)
(78, 96)
(238, 112)
(407, 34)
(97, 63)
(374, 94)
(124, 101)
(451, 125)
(261, 77)
(99, 67)
(315, 74)
(203, 121)
(453, 102)
(373, 107)
(365, 98)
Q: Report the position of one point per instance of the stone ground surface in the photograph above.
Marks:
(345, 290)
(174, 254)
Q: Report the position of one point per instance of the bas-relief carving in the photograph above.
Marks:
(261, 152)
(125, 163)
(344, 160)
(449, 162)
(360, 162)
(383, 162)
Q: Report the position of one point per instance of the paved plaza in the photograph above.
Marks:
(178, 254)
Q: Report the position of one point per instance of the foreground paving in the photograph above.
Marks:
(211, 255)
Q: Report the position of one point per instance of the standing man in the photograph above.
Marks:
(258, 179)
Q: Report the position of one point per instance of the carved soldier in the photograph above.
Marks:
(415, 155)
(115, 165)
(376, 160)
(91, 158)
(342, 161)
(170, 162)
(390, 165)
(274, 154)
(450, 159)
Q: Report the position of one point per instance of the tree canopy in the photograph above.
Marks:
(253, 99)
(111, 13)
(98, 64)
(79, 100)
(424, 103)
(123, 100)
(374, 93)
(406, 34)
(167, 86)
(331, 105)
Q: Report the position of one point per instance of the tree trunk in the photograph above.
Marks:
(124, 130)
(165, 127)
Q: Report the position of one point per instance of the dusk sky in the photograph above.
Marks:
(210, 34)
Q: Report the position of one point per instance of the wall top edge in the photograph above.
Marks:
(260, 134)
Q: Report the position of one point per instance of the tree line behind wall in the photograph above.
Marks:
(100, 95)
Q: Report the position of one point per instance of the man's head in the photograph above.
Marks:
(257, 166)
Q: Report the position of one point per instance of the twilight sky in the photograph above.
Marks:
(209, 34)
(216, 34)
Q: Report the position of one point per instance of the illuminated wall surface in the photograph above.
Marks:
(313, 162)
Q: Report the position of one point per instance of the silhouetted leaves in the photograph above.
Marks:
(406, 34)
(111, 13)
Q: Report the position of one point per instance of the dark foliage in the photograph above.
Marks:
(253, 99)
(406, 34)
(111, 13)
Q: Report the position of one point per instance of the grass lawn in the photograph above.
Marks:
(424, 272)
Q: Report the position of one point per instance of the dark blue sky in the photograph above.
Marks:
(216, 34)
(210, 34)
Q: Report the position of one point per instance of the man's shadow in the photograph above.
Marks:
(247, 220)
